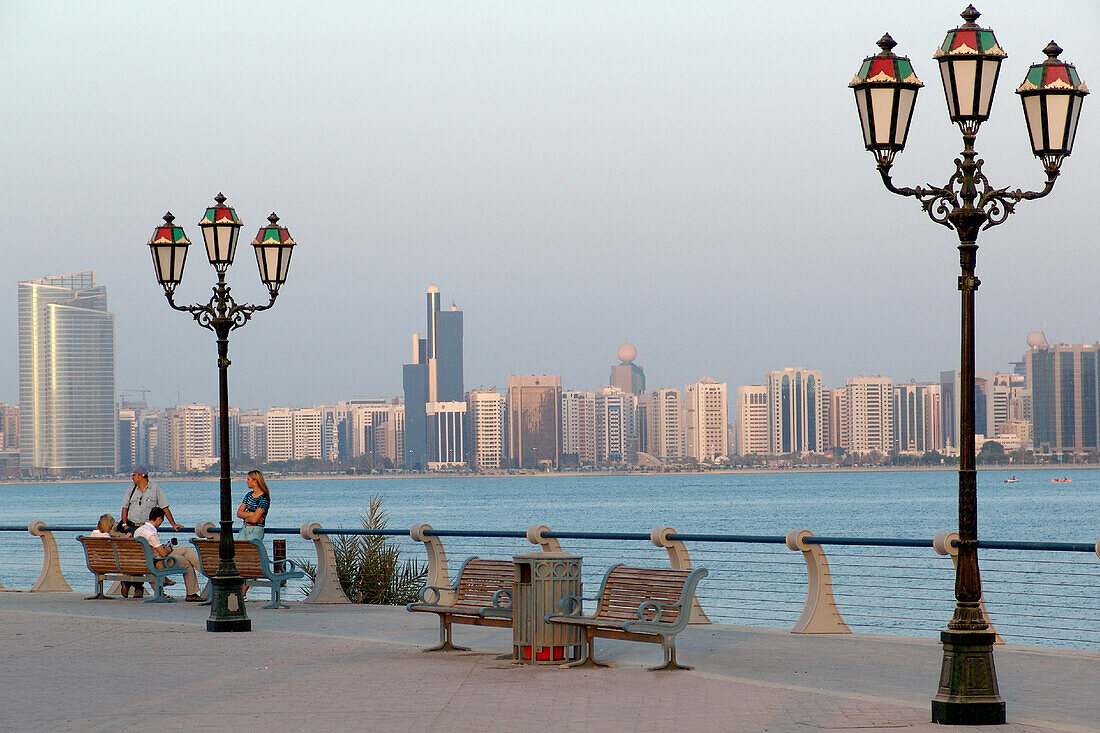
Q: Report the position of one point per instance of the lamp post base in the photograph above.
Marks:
(227, 605)
(968, 692)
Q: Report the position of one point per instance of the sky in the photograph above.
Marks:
(686, 176)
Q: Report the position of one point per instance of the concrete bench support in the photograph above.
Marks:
(438, 577)
(819, 614)
(326, 585)
(50, 580)
(536, 535)
(942, 543)
(678, 559)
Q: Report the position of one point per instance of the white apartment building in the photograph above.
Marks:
(795, 423)
(186, 438)
(446, 423)
(578, 425)
(306, 426)
(752, 420)
(279, 429)
(662, 424)
(485, 423)
(705, 420)
(867, 414)
(252, 436)
(614, 426)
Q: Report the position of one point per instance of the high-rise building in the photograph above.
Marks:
(68, 417)
(706, 419)
(628, 376)
(660, 421)
(752, 420)
(1065, 396)
(534, 421)
(795, 402)
(252, 437)
(435, 375)
(578, 427)
(917, 423)
(446, 435)
(485, 424)
(867, 406)
(615, 432)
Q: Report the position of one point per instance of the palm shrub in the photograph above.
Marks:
(370, 567)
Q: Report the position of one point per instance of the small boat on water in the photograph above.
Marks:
(1011, 480)
(1063, 480)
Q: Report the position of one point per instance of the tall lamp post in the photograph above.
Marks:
(886, 90)
(273, 245)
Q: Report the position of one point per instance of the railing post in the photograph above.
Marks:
(50, 580)
(679, 559)
(944, 544)
(536, 535)
(326, 586)
(820, 614)
(438, 576)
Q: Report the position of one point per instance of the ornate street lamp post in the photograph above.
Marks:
(886, 90)
(273, 246)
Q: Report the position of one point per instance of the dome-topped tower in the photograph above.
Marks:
(628, 376)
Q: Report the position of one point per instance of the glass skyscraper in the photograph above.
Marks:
(68, 420)
(434, 376)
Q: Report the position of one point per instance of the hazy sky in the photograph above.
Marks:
(686, 175)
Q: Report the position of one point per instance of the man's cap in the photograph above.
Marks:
(141, 472)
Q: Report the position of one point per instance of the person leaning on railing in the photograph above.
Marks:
(254, 506)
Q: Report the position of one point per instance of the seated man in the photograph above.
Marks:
(186, 556)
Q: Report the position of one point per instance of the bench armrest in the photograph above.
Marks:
(572, 605)
(502, 599)
(430, 594)
(651, 611)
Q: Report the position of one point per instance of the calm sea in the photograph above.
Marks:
(878, 504)
(902, 504)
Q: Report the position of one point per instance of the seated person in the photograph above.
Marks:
(106, 528)
(186, 556)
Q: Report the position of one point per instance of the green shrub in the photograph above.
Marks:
(370, 567)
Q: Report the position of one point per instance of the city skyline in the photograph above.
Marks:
(574, 176)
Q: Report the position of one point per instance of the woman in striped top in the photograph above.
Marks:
(253, 509)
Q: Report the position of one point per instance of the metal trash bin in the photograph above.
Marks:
(542, 579)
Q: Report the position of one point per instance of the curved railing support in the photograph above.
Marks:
(820, 614)
(51, 579)
(438, 576)
(679, 559)
(326, 584)
(944, 544)
(536, 535)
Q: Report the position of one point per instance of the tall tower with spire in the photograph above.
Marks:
(433, 382)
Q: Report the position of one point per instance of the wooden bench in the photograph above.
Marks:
(482, 597)
(637, 604)
(128, 560)
(253, 563)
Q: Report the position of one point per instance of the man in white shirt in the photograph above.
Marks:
(185, 556)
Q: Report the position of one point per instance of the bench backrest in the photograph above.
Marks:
(625, 588)
(246, 556)
(100, 554)
(115, 555)
(480, 579)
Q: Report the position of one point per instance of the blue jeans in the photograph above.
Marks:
(251, 532)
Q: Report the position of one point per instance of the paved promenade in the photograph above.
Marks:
(71, 664)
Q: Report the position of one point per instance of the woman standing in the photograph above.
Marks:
(253, 509)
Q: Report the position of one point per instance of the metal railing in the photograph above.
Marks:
(1036, 592)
